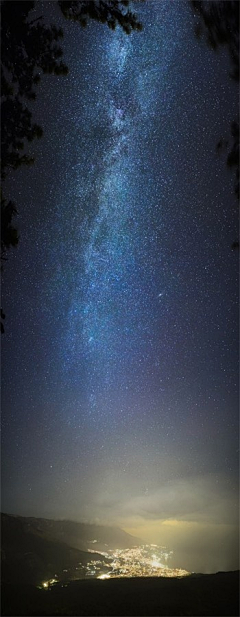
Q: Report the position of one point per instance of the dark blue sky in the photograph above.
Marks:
(120, 357)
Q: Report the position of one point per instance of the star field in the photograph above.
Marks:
(120, 361)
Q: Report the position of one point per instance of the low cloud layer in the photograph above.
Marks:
(195, 517)
(205, 499)
(197, 547)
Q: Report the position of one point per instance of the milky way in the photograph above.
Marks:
(121, 299)
(122, 257)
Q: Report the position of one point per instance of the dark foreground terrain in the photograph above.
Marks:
(210, 594)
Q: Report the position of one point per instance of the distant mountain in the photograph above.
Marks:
(35, 549)
(28, 557)
(77, 535)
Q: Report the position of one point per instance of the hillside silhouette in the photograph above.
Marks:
(35, 549)
(206, 595)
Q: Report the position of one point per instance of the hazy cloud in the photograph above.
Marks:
(197, 499)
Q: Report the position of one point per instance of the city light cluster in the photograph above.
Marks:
(145, 560)
(51, 581)
(138, 561)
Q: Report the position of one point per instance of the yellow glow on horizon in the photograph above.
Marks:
(159, 530)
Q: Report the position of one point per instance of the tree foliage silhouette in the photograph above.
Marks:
(9, 233)
(30, 49)
(218, 23)
(110, 12)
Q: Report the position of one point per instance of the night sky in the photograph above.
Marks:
(120, 352)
